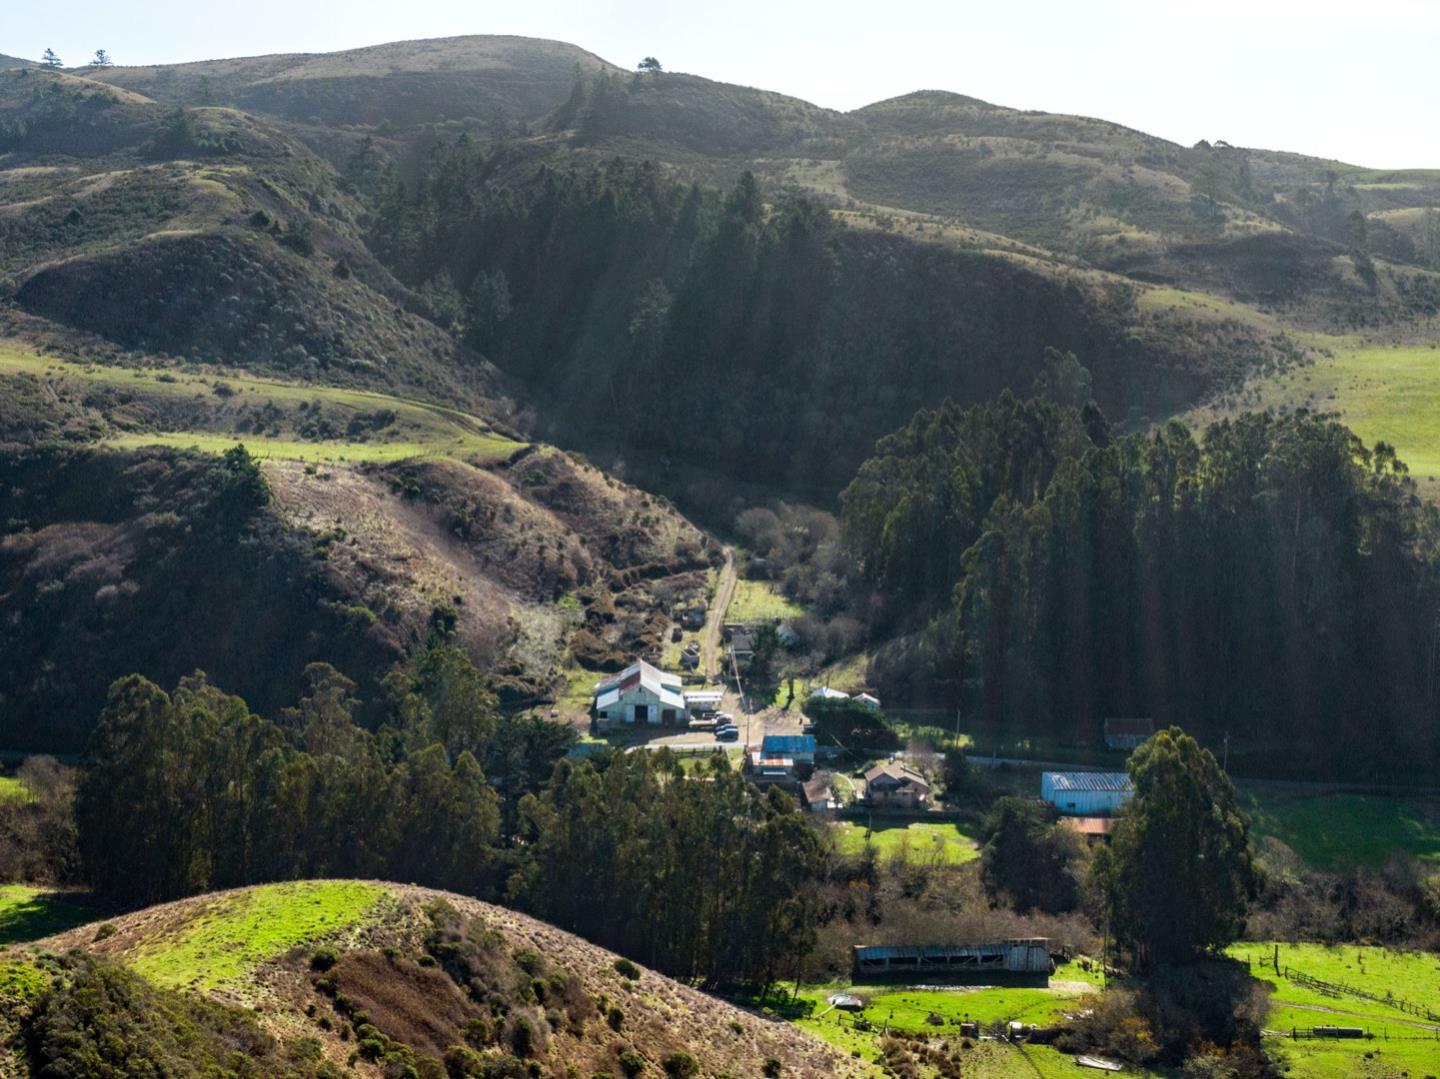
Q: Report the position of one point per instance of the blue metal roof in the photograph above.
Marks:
(788, 744)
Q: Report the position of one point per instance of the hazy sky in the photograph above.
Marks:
(1355, 81)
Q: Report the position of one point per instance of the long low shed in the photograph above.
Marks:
(1023, 960)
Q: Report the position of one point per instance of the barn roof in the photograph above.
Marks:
(1090, 781)
(640, 675)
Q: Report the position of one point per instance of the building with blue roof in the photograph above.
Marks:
(800, 748)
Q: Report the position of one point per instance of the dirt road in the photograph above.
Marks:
(710, 639)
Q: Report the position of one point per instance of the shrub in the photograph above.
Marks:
(631, 1063)
(771, 1068)
(322, 959)
(627, 969)
(680, 1066)
(104, 930)
(615, 1016)
(522, 1038)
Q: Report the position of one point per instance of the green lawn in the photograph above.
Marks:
(756, 600)
(235, 933)
(28, 913)
(1397, 1045)
(952, 842)
(1334, 830)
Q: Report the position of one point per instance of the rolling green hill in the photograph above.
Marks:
(349, 977)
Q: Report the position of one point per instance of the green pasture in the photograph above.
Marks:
(899, 1008)
(758, 600)
(946, 842)
(1401, 1042)
(480, 449)
(418, 429)
(1332, 830)
(29, 913)
(1389, 394)
(232, 934)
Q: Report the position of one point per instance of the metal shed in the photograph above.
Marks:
(1024, 960)
(1086, 794)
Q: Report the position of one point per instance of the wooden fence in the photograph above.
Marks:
(1336, 990)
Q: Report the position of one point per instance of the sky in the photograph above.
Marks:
(1359, 82)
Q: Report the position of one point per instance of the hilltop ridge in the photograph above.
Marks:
(402, 973)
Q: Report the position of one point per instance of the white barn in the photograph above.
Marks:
(1086, 794)
(640, 696)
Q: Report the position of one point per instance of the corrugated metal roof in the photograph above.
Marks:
(789, 743)
(1088, 781)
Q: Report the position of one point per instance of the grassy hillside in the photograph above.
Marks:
(1383, 393)
(205, 234)
(383, 509)
(1398, 1042)
(381, 976)
(400, 84)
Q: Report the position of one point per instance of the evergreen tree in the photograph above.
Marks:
(50, 59)
(1179, 872)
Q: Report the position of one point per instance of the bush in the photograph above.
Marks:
(615, 1016)
(771, 1068)
(522, 1038)
(631, 1063)
(680, 1066)
(322, 959)
(104, 930)
(627, 969)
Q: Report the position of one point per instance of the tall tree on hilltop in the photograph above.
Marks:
(50, 59)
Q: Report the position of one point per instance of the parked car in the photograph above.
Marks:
(727, 733)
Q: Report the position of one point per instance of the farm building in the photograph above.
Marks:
(1086, 794)
(868, 701)
(639, 696)
(1023, 961)
(742, 647)
(818, 795)
(1092, 829)
(825, 693)
(896, 785)
(798, 747)
(1127, 733)
(770, 770)
(699, 701)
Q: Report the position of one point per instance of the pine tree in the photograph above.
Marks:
(50, 59)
